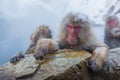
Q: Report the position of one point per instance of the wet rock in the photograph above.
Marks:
(24, 68)
(62, 65)
(54, 64)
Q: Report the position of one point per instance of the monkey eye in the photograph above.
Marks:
(77, 27)
(70, 26)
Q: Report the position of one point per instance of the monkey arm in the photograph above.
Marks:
(45, 46)
(33, 38)
(30, 49)
(115, 32)
(100, 55)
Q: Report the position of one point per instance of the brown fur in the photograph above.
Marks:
(45, 46)
(112, 34)
(42, 31)
(42, 42)
(37, 43)
(86, 40)
(108, 29)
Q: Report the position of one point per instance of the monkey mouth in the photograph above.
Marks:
(72, 42)
(72, 39)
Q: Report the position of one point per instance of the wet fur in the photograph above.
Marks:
(37, 35)
(111, 38)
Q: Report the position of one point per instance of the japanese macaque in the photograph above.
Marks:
(75, 33)
(41, 32)
(112, 32)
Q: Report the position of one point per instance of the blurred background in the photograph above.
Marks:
(19, 18)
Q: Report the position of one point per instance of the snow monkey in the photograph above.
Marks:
(42, 31)
(40, 43)
(112, 32)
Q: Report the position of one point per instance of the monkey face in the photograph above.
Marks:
(73, 31)
(112, 22)
(46, 33)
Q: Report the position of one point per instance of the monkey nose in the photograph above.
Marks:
(73, 30)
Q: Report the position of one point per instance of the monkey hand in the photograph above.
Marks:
(40, 53)
(98, 58)
(43, 47)
(93, 66)
(17, 57)
(38, 56)
(116, 32)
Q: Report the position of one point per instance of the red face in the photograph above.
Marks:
(112, 22)
(73, 31)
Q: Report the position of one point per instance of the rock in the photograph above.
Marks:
(60, 63)
(66, 65)
(112, 67)
(54, 64)
(23, 68)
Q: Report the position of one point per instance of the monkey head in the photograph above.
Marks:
(76, 28)
(112, 21)
(44, 31)
(112, 27)
(73, 31)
